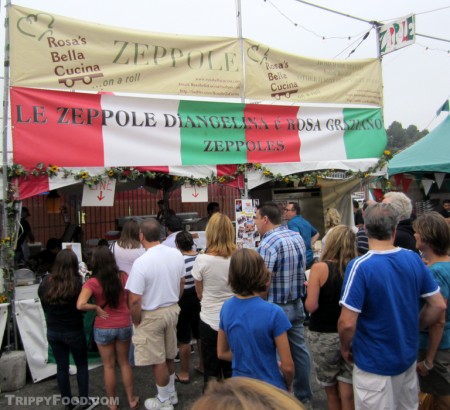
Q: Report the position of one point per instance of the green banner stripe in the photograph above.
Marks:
(214, 137)
(364, 135)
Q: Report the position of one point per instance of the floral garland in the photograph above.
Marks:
(7, 250)
(124, 174)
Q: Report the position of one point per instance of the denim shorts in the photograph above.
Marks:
(107, 336)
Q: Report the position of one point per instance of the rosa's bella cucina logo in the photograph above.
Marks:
(67, 59)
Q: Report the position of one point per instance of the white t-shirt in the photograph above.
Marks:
(156, 276)
(126, 256)
(213, 272)
(170, 240)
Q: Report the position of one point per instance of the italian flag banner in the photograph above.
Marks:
(101, 130)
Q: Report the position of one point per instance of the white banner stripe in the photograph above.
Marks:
(320, 140)
(137, 146)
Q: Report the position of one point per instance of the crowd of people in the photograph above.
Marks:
(379, 326)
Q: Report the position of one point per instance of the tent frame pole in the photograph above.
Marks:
(6, 84)
(244, 192)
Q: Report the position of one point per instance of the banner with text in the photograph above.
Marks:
(102, 130)
(52, 51)
(397, 34)
(276, 75)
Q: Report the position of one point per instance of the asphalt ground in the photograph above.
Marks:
(144, 388)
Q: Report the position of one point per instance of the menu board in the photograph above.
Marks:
(247, 235)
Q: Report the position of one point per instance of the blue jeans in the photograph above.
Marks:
(108, 336)
(300, 354)
(63, 343)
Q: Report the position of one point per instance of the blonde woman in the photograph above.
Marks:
(245, 393)
(332, 219)
(322, 301)
(210, 274)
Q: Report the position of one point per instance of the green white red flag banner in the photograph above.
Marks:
(101, 130)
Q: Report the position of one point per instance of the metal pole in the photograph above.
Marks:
(5, 228)
(334, 11)
(377, 31)
(244, 193)
(5, 232)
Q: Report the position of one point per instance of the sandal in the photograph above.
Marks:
(137, 405)
(182, 381)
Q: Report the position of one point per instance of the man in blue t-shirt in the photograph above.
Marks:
(380, 317)
(299, 224)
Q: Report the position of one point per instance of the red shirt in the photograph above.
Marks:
(118, 317)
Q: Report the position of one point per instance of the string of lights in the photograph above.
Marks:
(359, 36)
(323, 37)
(428, 48)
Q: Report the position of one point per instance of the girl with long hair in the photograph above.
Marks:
(210, 274)
(257, 348)
(128, 247)
(112, 327)
(126, 250)
(322, 301)
(65, 330)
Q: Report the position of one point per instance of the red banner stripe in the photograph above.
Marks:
(276, 139)
(32, 186)
(53, 118)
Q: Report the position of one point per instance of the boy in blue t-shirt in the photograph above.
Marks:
(251, 330)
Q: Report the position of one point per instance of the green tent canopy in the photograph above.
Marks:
(429, 154)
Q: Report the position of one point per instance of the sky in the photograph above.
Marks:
(416, 78)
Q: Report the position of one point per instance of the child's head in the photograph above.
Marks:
(242, 393)
(184, 241)
(248, 273)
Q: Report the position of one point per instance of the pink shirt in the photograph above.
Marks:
(118, 317)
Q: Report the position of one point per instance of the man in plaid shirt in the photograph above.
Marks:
(284, 253)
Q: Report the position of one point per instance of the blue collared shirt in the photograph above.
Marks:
(307, 231)
(284, 253)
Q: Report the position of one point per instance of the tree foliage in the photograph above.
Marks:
(400, 138)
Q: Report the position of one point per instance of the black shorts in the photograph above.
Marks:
(189, 318)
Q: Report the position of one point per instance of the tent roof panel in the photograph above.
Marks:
(429, 154)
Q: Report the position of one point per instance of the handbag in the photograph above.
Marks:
(426, 401)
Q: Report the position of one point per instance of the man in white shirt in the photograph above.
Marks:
(173, 226)
(156, 283)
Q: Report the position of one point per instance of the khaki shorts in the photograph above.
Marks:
(155, 339)
(329, 364)
(373, 391)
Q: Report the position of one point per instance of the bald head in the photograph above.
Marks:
(380, 221)
(151, 230)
